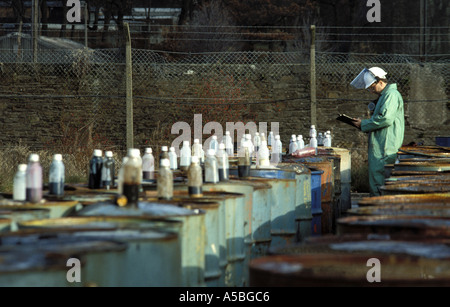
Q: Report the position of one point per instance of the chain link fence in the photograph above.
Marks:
(65, 96)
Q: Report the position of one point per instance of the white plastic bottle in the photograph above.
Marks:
(249, 144)
(211, 167)
(56, 176)
(312, 131)
(173, 158)
(229, 144)
(197, 150)
(329, 135)
(20, 183)
(280, 147)
(300, 142)
(185, 156)
(195, 180)
(313, 142)
(264, 155)
(34, 179)
(293, 144)
(256, 141)
(270, 139)
(108, 170)
(275, 156)
(148, 164)
(214, 144)
(120, 176)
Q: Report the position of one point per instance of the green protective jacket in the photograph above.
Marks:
(386, 130)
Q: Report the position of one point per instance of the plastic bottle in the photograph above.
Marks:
(165, 180)
(214, 144)
(148, 164)
(229, 144)
(185, 156)
(34, 179)
(195, 181)
(293, 144)
(276, 151)
(313, 142)
(264, 155)
(120, 177)
(173, 158)
(270, 139)
(223, 163)
(197, 150)
(328, 133)
(108, 170)
(320, 139)
(211, 167)
(249, 144)
(244, 162)
(312, 131)
(256, 141)
(20, 183)
(95, 170)
(300, 142)
(56, 177)
(164, 154)
(132, 174)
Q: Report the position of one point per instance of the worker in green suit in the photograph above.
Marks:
(386, 127)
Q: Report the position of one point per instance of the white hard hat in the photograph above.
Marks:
(367, 77)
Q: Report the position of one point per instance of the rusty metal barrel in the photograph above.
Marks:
(20, 213)
(394, 226)
(192, 232)
(408, 210)
(55, 259)
(57, 208)
(348, 269)
(415, 188)
(406, 199)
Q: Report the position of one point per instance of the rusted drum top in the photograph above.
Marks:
(337, 270)
(415, 188)
(425, 226)
(432, 165)
(406, 199)
(410, 210)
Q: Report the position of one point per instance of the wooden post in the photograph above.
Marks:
(129, 86)
(313, 75)
(35, 28)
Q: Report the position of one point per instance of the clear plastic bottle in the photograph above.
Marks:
(211, 167)
(185, 156)
(20, 183)
(312, 131)
(229, 144)
(256, 141)
(293, 144)
(148, 164)
(34, 179)
(249, 144)
(165, 181)
(276, 151)
(95, 170)
(197, 150)
(214, 144)
(244, 163)
(264, 155)
(108, 170)
(300, 142)
(56, 177)
(173, 158)
(223, 163)
(270, 139)
(313, 142)
(132, 174)
(120, 177)
(329, 135)
(320, 139)
(195, 180)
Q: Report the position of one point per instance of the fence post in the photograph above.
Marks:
(313, 74)
(35, 27)
(129, 86)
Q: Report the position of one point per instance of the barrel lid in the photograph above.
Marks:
(417, 187)
(403, 199)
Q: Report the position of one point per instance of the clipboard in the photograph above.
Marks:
(346, 119)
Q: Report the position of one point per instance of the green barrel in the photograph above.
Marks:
(41, 259)
(193, 238)
(153, 257)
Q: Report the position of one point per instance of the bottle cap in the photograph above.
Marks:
(248, 137)
(313, 126)
(194, 159)
(221, 146)
(211, 152)
(57, 157)
(196, 141)
(22, 167)
(277, 137)
(34, 158)
(214, 137)
(185, 143)
(300, 136)
(109, 154)
(227, 132)
(148, 150)
(164, 148)
(97, 152)
(172, 149)
(165, 162)
(134, 152)
(256, 133)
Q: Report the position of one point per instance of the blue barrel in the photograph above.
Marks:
(192, 233)
(152, 257)
(316, 202)
(282, 221)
